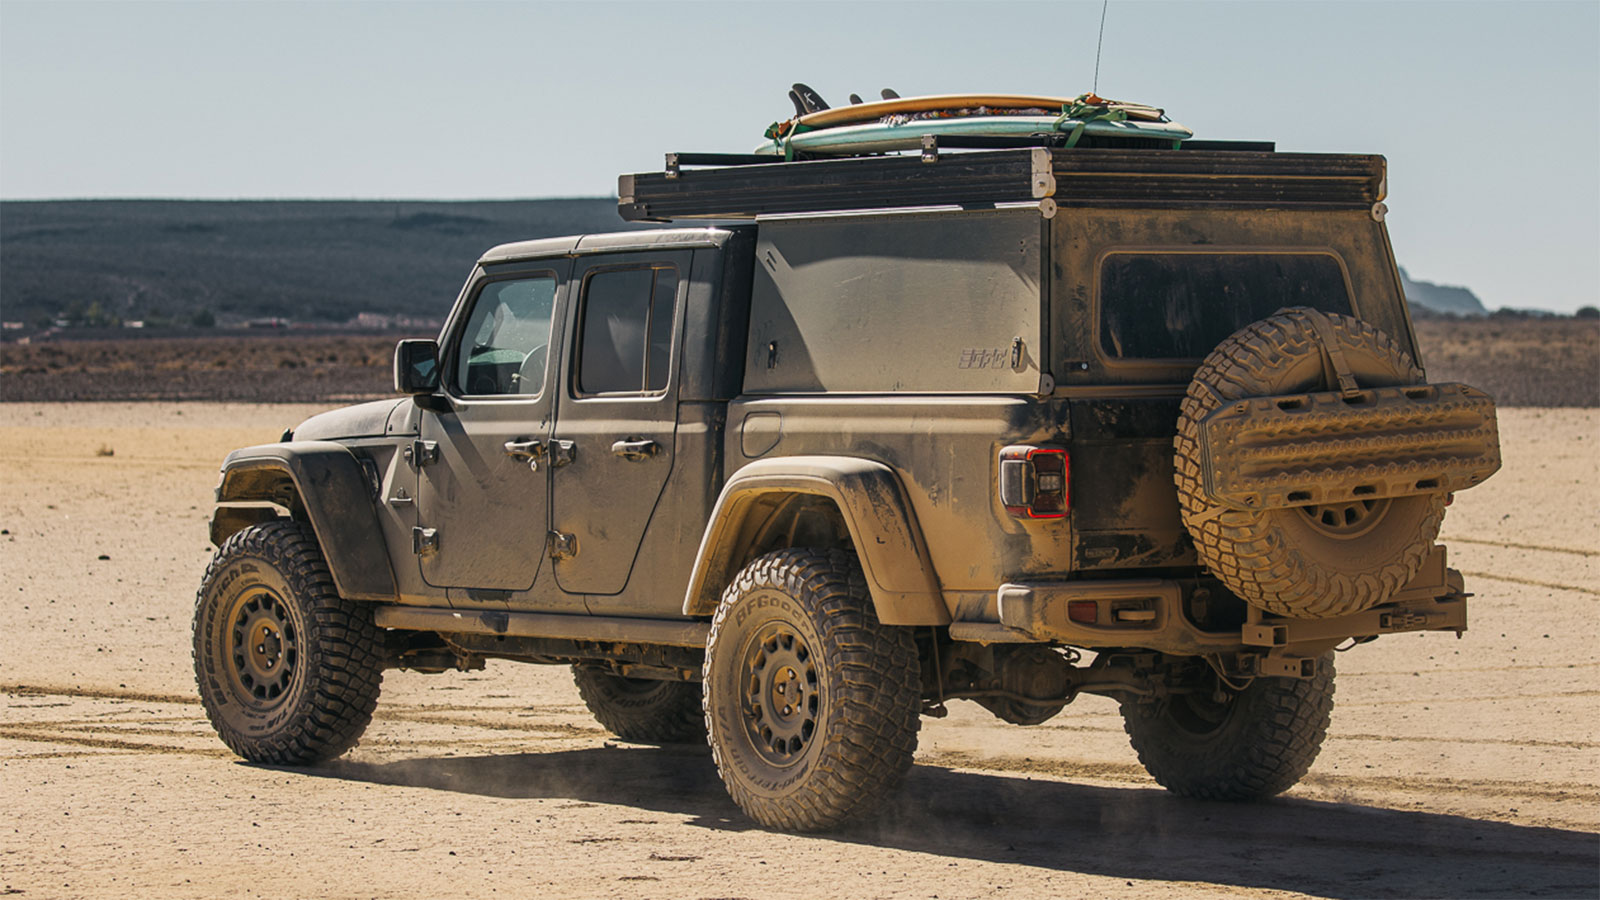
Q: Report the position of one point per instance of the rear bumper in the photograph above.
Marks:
(1158, 614)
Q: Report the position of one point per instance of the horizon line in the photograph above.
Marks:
(611, 197)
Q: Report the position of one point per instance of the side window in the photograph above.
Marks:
(506, 343)
(1181, 305)
(625, 334)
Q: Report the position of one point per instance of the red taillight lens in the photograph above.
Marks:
(1084, 612)
(1033, 481)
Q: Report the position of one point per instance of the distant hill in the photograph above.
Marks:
(180, 262)
(172, 262)
(1441, 298)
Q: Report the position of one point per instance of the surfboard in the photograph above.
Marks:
(883, 137)
(877, 109)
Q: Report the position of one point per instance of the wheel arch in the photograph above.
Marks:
(873, 514)
(321, 483)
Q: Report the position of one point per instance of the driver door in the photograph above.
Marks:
(483, 484)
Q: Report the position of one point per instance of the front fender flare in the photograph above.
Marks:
(329, 485)
(882, 524)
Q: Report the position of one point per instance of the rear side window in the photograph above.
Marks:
(940, 302)
(625, 338)
(1181, 305)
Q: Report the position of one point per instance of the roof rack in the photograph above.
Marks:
(1202, 173)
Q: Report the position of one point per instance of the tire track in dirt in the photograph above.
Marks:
(1135, 774)
(1532, 583)
(72, 731)
(475, 717)
(69, 754)
(467, 721)
(1063, 768)
(105, 733)
(1509, 545)
(1453, 670)
(92, 693)
(386, 710)
(1417, 701)
(45, 736)
(1382, 738)
(1491, 742)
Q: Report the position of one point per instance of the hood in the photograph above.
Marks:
(362, 420)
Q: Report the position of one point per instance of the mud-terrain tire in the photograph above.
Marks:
(1314, 561)
(288, 670)
(1253, 745)
(642, 711)
(811, 704)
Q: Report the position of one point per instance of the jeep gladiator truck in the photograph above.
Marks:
(1009, 426)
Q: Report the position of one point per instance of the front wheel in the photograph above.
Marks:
(1214, 743)
(811, 704)
(288, 670)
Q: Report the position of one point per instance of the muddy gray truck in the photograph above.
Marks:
(1006, 425)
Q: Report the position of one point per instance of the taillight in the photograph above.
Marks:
(1033, 481)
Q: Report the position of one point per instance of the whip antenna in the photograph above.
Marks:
(1098, 44)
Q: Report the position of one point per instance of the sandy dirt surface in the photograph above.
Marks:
(1454, 768)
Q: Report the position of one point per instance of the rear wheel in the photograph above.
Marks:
(1312, 561)
(811, 704)
(635, 709)
(1216, 743)
(288, 670)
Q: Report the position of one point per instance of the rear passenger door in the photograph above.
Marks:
(616, 417)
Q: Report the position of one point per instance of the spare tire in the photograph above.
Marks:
(1309, 561)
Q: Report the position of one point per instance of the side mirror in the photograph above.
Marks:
(416, 367)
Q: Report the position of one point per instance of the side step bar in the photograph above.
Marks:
(668, 632)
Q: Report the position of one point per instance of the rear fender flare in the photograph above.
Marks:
(323, 481)
(871, 501)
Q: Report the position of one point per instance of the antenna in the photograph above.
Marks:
(1098, 44)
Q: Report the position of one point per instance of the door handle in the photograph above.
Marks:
(635, 449)
(532, 451)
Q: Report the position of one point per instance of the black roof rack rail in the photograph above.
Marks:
(932, 143)
(1215, 173)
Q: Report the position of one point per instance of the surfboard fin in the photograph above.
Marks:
(855, 99)
(799, 106)
(810, 99)
(889, 94)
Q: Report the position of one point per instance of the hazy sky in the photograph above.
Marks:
(1489, 113)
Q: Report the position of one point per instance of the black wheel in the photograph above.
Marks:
(635, 709)
(1310, 561)
(811, 704)
(1219, 744)
(288, 670)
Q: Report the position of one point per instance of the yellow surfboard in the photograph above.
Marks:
(867, 112)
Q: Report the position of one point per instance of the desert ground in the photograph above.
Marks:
(1455, 767)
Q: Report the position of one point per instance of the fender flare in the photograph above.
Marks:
(882, 524)
(328, 483)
